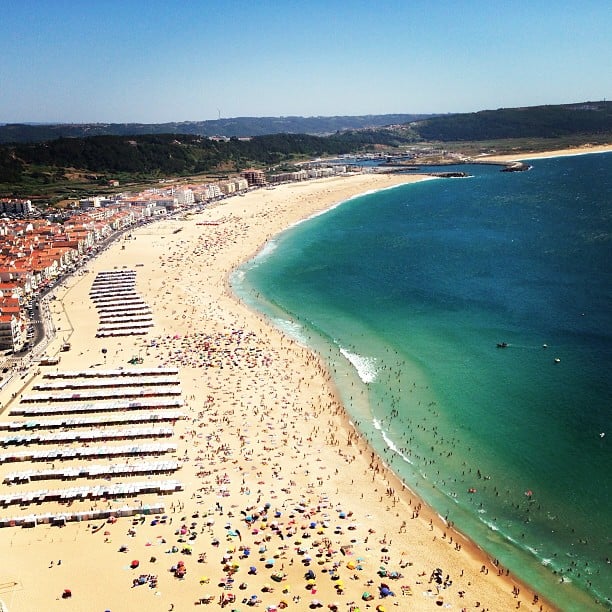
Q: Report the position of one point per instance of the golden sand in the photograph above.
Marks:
(266, 438)
(582, 150)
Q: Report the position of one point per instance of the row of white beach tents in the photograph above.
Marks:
(115, 419)
(93, 471)
(108, 491)
(152, 403)
(60, 518)
(68, 453)
(121, 310)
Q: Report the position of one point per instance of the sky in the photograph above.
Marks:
(152, 61)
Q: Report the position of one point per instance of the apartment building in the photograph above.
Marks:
(255, 178)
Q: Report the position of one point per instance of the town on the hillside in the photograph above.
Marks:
(38, 249)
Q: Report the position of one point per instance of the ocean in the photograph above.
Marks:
(407, 292)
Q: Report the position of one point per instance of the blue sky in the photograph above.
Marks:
(154, 61)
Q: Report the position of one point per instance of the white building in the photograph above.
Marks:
(184, 196)
(227, 187)
(211, 191)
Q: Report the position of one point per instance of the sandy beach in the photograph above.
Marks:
(283, 505)
(583, 150)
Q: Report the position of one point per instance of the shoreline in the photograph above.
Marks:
(526, 156)
(478, 550)
(210, 306)
(380, 466)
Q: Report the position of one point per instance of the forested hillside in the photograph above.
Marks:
(170, 154)
(39, 167)
(529, 122)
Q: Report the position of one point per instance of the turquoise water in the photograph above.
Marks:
(406, 293)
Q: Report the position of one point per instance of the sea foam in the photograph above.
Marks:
(292, 329)
(365, 366)
(391, 445)
(264, 253)
(490, 524)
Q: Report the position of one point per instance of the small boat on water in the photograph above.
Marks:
(502, 345)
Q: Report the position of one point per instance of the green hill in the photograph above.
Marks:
(529, 122)
(172, 154)
(80, 164)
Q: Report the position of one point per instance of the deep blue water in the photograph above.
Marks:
(411, 289)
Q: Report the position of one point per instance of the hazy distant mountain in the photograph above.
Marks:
(232, 127)
(528, 122)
